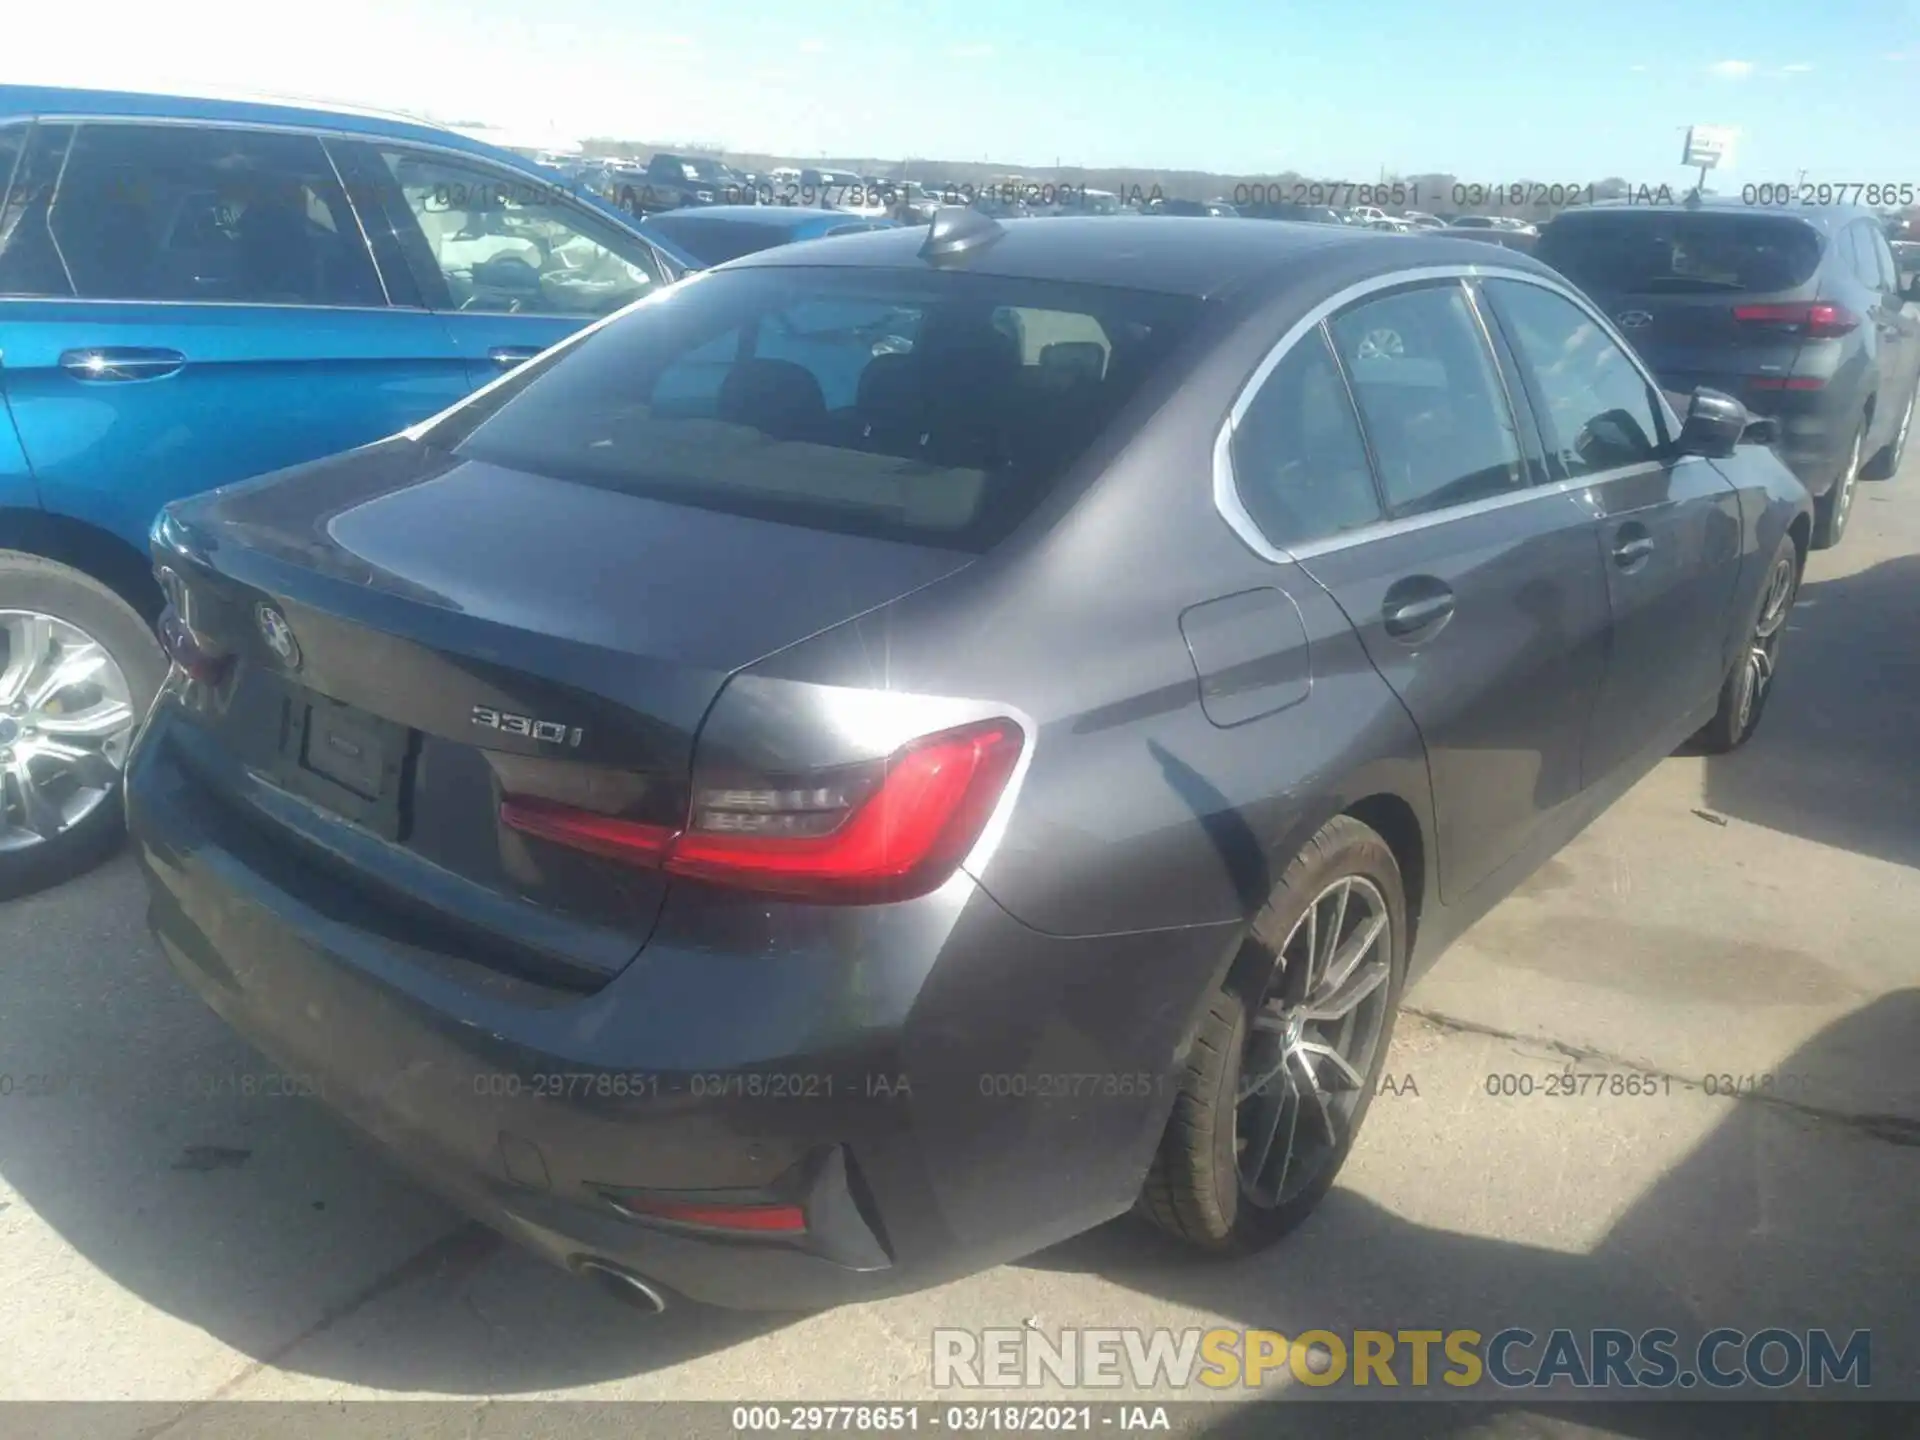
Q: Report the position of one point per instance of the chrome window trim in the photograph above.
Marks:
(319, 138)
(1226, 492)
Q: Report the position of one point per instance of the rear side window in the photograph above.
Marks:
(183, 213)
(1597, 410)
(1298, 460)
(1431, 399)
(936, 407)
(1681, 253)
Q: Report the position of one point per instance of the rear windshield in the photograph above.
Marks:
(1666, 252)
(928, 406)
(714, 242)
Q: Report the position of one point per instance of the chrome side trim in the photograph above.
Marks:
(1226, 492)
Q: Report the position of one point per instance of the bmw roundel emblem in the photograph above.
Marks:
(1635, 319)
(278, 634)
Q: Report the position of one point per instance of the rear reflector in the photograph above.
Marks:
(745, 1219)
(1821, 320)
(889, 831)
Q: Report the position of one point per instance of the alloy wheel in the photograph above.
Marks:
(1311, 1042)
(1843, 498)
(1763, 650)
(66, 722)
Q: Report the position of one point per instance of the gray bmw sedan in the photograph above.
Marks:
(901, 748)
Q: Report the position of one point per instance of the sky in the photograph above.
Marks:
(1491, 90)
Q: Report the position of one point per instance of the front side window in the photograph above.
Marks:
(1600, 413)
(934, 407)
(1298, 460)
(504, 243)
(186, 213)
(1430, 398)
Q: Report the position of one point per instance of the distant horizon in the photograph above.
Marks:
(1599, 89)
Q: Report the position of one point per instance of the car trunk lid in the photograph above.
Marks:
(415, 636)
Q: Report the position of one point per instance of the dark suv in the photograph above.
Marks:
(1797, 312)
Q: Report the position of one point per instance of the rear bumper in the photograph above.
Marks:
(939, 1087)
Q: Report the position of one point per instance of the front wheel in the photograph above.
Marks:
(1749, 685)
(1283, 1068)
(78, 669)
(1886, 464)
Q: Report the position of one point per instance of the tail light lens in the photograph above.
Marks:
(887, 831)
(1820, 320)
(188, 651)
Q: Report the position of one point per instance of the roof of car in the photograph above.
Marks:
(774, 217)
(1826, 217)
(239, 107)
(1172, 254)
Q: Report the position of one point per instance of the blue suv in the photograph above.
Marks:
(193, 292)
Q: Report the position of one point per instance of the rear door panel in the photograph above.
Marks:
(196, 305)
(257, 388)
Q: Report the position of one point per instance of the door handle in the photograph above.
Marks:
(121, 363)
(508, 356)
(1629, 551)
(1407, 617)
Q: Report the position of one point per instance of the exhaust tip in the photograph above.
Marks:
(622, 1284)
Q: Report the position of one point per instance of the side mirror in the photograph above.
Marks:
(1714, 425)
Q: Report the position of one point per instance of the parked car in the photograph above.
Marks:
(1515, 225)
(757, 764)
(1212, 209)
(1287, 210)
(673, 182)
(1423, 220)
(1475, 222)
(1798, 313)
(1490, 235)
(223, 289)
(719, 233)
(1392, 225)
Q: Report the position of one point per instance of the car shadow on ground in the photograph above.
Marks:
(1834, 757)
(125, 1127)
(1757, 1226)
(255, 1219)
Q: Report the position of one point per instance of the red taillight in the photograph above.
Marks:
(747, 1219)
(1821, 320)
(899, 834)
(1786, 382)
(184, 649)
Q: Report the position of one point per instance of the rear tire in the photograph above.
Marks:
(1749, 684)
(1198, 1188)
(76, 801)
(1832, 510)
(1886, 462)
